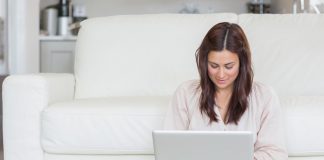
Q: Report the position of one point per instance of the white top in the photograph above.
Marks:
(262, 118)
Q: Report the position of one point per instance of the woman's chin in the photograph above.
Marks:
(222, 85)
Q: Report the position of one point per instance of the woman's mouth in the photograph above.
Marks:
(221, 81)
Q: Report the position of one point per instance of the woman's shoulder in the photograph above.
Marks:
(260, 88)
(263, 93)
(189, 87)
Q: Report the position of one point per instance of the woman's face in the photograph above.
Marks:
(223, 68)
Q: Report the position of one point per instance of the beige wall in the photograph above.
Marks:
(23, 33)
(112, 7)
(97, 8)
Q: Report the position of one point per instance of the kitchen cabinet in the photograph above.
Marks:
(57, 54)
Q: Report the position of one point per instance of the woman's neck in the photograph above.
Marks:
(223, 97)
(222, 100)
(224, 93)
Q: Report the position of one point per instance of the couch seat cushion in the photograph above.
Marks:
(120, 125)
(303, 118)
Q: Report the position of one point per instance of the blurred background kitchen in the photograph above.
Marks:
(62, 17)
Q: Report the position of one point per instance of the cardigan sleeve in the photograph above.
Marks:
(270, 143)
(177, 115)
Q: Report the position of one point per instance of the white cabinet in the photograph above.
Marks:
(57, 54)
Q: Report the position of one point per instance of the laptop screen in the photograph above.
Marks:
(203, 145)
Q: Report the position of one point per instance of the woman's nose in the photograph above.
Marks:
(221, 73)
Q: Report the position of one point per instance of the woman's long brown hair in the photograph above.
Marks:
(231, 37)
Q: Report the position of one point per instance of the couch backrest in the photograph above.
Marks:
(139, 55)
(152, 54)
(287, 51)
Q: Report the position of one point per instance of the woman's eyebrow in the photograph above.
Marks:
(230, 63)
(212, 62)
(225, 64)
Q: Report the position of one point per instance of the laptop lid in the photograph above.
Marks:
(203, 145)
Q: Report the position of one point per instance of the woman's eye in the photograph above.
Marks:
(213, 66)
(229, 67)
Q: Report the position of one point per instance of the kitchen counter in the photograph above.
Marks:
(57, 38)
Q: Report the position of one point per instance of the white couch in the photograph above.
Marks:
(127, 68)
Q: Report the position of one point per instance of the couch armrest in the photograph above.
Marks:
(24, 98)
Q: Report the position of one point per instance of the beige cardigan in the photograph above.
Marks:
(262, 118)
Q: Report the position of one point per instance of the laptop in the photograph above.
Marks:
(203, 145)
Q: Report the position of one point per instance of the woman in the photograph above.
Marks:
(226, 98)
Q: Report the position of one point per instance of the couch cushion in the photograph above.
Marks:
(139, 55)
(124, 125)
(287, 51)
(102, 126)
(304, 117)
